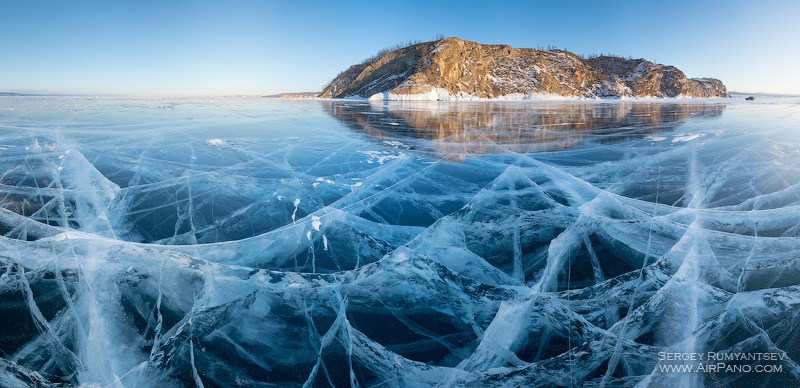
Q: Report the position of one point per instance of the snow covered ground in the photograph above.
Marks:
(343, 243)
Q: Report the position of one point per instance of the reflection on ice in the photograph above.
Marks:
(246, 242)
(465, 128)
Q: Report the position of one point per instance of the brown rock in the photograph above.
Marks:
(455, 67)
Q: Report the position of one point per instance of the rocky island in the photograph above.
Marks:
(456, 69)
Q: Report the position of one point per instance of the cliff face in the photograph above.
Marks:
(454, 68)
(642, 78)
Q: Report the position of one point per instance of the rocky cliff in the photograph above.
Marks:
(453, 68)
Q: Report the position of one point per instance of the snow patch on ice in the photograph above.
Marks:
(396, 144)
(381, 157)
(686, 137)
(296, 204)
(320, 180)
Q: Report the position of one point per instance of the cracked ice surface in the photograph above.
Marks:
(261, 242)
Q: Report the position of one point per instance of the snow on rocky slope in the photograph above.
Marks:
(453, 68)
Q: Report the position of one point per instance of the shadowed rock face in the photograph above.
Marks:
(453, 67)
(642, 78)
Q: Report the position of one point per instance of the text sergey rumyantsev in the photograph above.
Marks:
(715, 356)
(713, 362)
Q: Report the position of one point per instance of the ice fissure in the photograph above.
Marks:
(320, 243)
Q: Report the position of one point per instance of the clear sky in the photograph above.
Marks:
(198, 47)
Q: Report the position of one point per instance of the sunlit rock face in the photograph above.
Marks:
(269, 242)
(456, 69)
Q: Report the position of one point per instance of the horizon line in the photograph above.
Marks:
(14, 93)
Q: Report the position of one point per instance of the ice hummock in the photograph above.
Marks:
(247, 242)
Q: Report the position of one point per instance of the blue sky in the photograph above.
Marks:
(182, 48)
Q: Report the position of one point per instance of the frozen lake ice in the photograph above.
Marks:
(250, 242)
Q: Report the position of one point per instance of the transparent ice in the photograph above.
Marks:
(256, 242)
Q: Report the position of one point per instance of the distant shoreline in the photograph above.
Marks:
(293, 96)
(314, 96)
